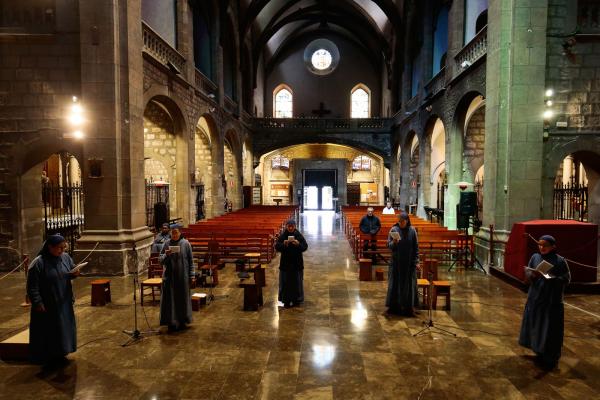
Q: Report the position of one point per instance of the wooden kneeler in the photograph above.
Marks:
(252, 294)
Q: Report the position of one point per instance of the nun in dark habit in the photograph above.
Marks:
(291, 244)
(161, 238)
(402, 276)
(52, 331)
(175, 298)
(542, 329)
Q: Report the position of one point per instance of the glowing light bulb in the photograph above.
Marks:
(548, 114)
(78, 134)
(549, 92)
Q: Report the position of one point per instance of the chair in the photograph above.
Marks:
(153, 284)
(441, 288)
(212, 262)
(154, 267)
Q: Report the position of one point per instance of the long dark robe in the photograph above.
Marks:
(542, 329)
(291, 268)
(52, 334)
(175, 297)
(402, 275)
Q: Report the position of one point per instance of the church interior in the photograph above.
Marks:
(476, 121)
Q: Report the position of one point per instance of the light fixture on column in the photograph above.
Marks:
(75, 118)
(463, 185)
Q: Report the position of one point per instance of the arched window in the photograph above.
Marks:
(360, 102)
(440, 40)
(282, 102)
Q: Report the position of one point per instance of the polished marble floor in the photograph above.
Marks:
(338, 345)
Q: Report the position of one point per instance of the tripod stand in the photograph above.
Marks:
(429, 326)
(466, 253)
(135, 334)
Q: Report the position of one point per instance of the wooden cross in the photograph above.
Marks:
(321, 111)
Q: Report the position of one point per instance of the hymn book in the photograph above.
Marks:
(543, 268)
(78, 267)
(395, 235)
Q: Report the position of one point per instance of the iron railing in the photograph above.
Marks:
(63, 212)
(157, 197)
(571, 202)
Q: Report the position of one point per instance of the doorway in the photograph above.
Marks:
(319, 189)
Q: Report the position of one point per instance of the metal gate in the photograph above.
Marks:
(63, 211)
(571, 202)
(155, 193)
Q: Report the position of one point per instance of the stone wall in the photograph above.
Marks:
(160, 149)
(572, 70)
(474, 142)
(203, 172)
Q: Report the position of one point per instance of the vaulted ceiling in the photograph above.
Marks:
(273, 24)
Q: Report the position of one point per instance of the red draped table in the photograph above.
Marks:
(577, 241)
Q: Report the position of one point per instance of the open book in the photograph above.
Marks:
(78, 267)
(543, 268)
(395, 235)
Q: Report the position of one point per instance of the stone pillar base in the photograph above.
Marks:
(117, 252)
(482, 247)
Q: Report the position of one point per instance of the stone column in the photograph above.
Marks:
(424, 169)
(218, 169)
(516, 58)
(111, 79)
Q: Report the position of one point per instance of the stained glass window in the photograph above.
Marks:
(361, 163)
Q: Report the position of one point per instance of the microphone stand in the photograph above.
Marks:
(135, 335)
(429, 326)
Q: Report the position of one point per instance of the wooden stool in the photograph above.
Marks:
(252, 294)
(441, 288)
(365, 272)
(152, 283)
(100, 292)
(252, 256)
(424, 284)
(198, 300)
(260, 274)
(379, 274)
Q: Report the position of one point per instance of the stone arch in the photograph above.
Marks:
(166, 138)
(32, 214)
(434, 163)
(588, 151)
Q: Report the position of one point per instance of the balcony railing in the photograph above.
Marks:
(231, 106)
(472, 51)
(351, 124)
(437, 83)
(588, 16)
(411, 105)
(160, 49)
(205, 85)
(27, 17)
